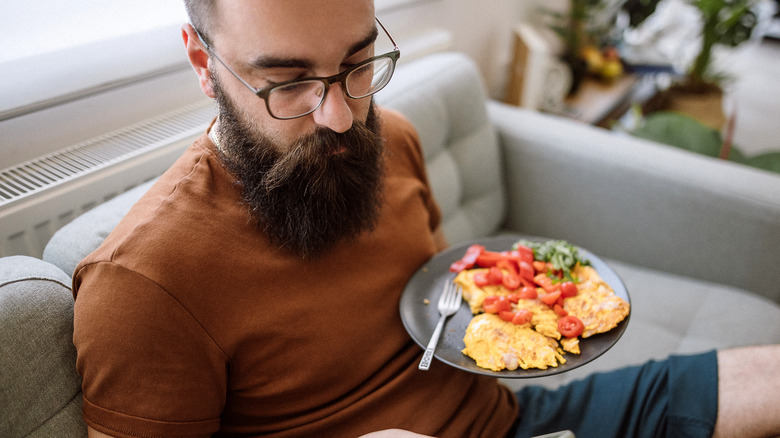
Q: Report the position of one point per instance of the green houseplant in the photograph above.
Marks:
(584, 28)
(572, 28)
(699, 92)
(685, 132)
(724, 22)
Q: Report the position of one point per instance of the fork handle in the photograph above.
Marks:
(427, 358)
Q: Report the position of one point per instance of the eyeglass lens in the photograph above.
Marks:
(299, 98)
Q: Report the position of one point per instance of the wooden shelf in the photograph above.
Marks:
(599, 103)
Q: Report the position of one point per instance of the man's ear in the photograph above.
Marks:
(199, 58)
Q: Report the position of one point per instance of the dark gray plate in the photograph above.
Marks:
(428, 282)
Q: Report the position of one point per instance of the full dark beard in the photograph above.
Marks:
(307, 196)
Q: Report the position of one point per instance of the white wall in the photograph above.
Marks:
(481, 29)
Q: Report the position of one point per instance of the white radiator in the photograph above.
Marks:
(40, 196)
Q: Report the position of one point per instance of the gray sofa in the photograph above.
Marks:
(695, 240)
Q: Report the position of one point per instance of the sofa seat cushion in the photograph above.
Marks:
(673, 314)
(40, 390)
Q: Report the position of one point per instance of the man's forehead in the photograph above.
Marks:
(265, 61)
(285, 25)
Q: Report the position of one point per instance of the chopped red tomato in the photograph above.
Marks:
(560, 310)
(507, 265)
(488, 258)
(480, 278)
(513, 256)
(510, 281)
(527, 271)
(492, 277)
(525, 253)
(568, 289)
(546, 282)
(496, 304)
(523, 316)
(506, 315)
(468, 260)
(527, 282)
(540, 266)
(513, 298)
(495, 275)
(570, 326)
(550, 298)
(528, 293)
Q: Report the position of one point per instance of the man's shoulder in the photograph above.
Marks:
(172, 217)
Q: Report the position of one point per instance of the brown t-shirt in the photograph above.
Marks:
(188, 322)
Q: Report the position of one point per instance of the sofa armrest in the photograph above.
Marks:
(641, 202)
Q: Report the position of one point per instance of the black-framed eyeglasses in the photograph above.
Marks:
(301, 97)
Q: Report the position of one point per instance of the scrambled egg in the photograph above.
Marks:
(496, 344)
(596, 304)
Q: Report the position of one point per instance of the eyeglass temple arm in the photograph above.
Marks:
(395, 45)
(212, 53)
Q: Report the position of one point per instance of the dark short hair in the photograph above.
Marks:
(202, 15)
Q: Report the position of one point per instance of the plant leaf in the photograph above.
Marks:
(682, 131)
(769, 161)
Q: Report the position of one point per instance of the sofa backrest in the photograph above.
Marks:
(443, 97)
(40, 391)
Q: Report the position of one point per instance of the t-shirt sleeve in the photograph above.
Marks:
(148, 367)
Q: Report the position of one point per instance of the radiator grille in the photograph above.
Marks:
(40, 196)
(28, 178)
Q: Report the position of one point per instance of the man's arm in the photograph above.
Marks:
(748, 392)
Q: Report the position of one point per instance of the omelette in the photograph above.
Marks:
(497, 344)
(596, 304)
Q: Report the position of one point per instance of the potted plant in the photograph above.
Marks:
(699, 92)
(588, 46)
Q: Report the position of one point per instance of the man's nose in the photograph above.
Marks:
(334, 113)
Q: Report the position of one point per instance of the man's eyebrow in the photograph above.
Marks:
(367, 41)
(269, 61)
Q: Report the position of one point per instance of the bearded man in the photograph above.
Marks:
(253, 290)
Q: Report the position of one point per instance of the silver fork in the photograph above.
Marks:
(449, 303)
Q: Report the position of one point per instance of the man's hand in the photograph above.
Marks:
(390, 433)
(394, 433)
(92, 433)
